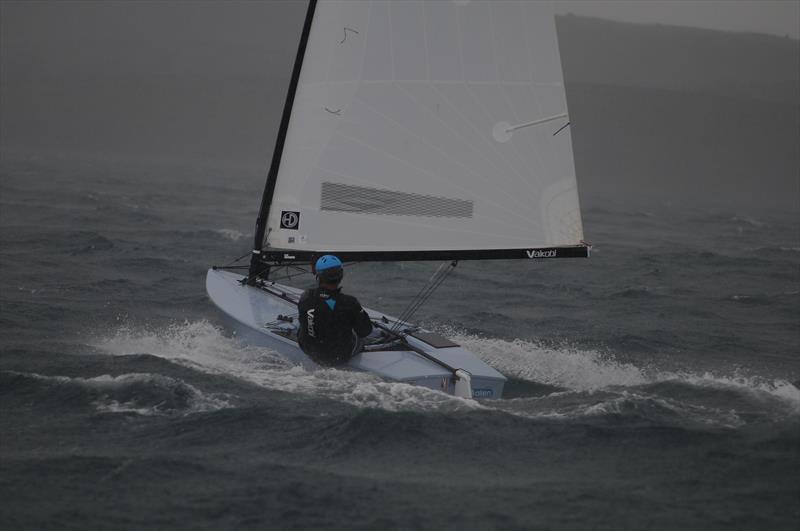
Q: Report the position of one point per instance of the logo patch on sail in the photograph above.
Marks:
(290, 219)
(534, 253)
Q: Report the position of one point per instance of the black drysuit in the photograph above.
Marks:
(329, 324)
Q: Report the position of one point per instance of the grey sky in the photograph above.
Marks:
(778, 17)
(658, 111)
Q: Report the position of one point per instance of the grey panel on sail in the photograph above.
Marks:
(360, 199)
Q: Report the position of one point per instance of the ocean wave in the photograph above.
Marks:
(677, 405)
(140, 393)
(773, 249)
(638, 292)
(204, 347)
(562, 367)
(623, 406)
(589, 383)
(749, 220)
(757, 387)
(90, 242)
(753, 300)
(231, 234)
(571, 383)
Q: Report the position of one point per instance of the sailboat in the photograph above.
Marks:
(414, 130)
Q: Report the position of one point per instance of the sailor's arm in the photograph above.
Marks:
(362, 325)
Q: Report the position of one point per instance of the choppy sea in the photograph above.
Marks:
(653, 386)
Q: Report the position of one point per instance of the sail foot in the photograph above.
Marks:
(284, 256)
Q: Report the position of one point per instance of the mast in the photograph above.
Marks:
(256, 267)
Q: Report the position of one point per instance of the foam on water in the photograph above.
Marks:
(202, 346)
(231, 234)
(599, 385)
(749, 220)
(586, 370)
(140, 393)
(578, 370)
(594, 383)
(755, 386)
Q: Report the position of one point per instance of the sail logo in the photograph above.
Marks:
(290, 219)
(533, 253)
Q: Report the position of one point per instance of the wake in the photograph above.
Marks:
(204, 347)
(587, 383)
(594, 384)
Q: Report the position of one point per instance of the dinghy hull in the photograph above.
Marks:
(252, 312)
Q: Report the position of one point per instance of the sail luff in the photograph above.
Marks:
(256, 265)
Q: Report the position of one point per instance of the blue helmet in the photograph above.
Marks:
(329, 269)
(327, 262)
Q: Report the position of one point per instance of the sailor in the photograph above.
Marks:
(331, 323)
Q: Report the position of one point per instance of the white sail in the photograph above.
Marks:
(411, 130)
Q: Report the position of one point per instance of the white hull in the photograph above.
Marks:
(253, 313)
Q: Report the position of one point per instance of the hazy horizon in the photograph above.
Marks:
(771, 17)
(147, 81)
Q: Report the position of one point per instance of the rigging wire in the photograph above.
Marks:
(288, 275)
(424, 294)
(433, 288)
(427, 291)
(303, 271)
(231, 264)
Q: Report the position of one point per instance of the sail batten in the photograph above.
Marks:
(425, 128)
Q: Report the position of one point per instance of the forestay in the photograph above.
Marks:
(411, 131)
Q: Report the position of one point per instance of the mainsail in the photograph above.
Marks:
(424, 130)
